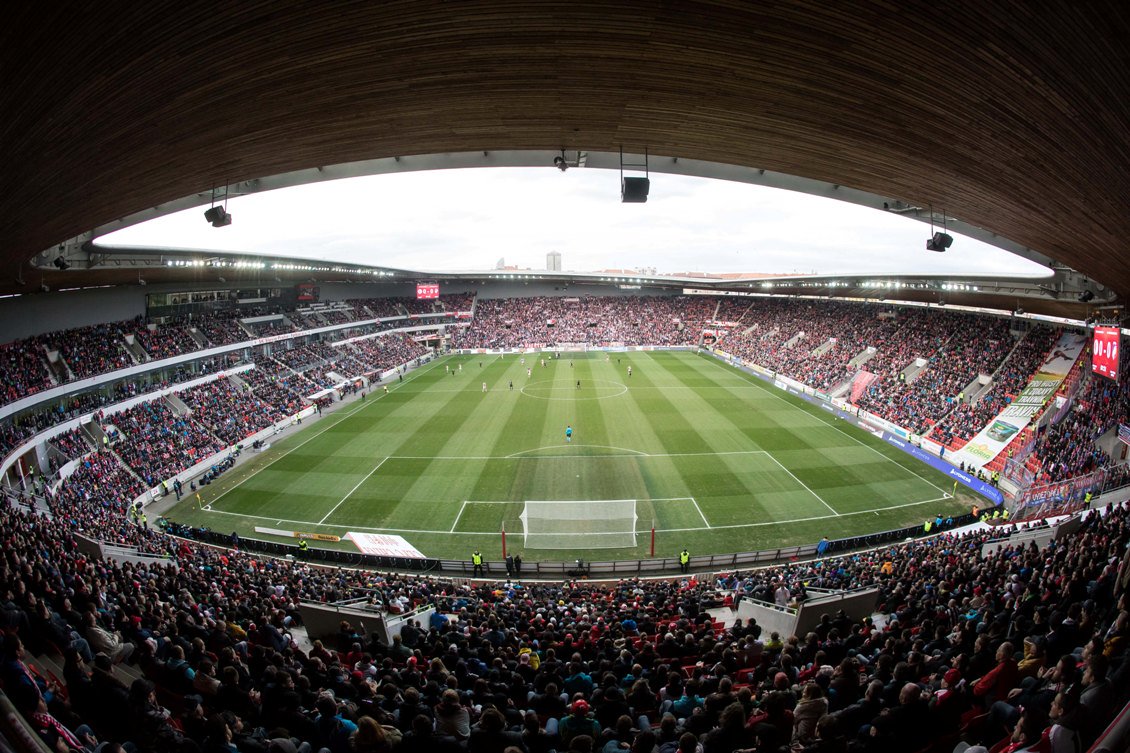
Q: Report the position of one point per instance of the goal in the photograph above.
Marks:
(579, 524)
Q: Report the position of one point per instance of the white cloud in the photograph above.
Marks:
(467, 219)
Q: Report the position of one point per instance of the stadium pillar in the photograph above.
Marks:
(503, 541)
(652, 541)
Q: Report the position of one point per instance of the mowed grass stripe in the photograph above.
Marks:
(829, 433)
(456, 430)
(672, 401)
(728, 492)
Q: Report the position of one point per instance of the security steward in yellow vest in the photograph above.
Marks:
(477, 562)
(685, 560)
(303, 548)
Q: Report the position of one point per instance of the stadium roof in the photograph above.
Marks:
(1010, 116)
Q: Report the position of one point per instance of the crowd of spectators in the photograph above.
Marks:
(28, 424)
(231, 414)
(93, 350)
(94, 498)
(1067, 449)
(378, 354)
(71, 443)
(23, 369)
(1021, 643)
(312, 360)
(965, 351)
(222, 327)
(278, 385)
(97, 349)
(966, 419)
(547, 321)
(156, 443)
(166, 340)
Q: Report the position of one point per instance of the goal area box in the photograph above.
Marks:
(579, 524)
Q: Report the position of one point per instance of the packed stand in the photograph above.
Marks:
(1067, 449)
(93, 350)
(71, 443)
(963, 423)
(221, 327)
(94, 498)
(89, 351)
(950, 368)
(387, 352)
(166, 340)
(231, 414)
(23, 369)
(1022, 643)
(277, 385)
(157, 444)
(545, 321)
(312, 360)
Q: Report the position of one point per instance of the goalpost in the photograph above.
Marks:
(579, 524)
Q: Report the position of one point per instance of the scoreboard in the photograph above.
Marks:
(1105, 352)
(425, 290)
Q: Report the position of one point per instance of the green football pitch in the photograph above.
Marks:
(712, 458)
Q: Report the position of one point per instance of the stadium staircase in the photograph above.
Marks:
(177, 405)
(198, 336)
(57, 367)
(824, 347)
(135, 351)
(792, 341)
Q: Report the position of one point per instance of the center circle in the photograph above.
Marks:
(590, 389)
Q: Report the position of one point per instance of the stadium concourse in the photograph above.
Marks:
(1022, 642)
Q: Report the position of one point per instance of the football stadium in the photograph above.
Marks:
(791, 418)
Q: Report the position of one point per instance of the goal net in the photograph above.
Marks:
(579, 524)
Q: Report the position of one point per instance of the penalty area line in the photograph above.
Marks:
(462, 507)
(352, 527)
(704, 520)
(350, 492)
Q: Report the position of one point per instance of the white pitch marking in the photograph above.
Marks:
(341, 415)
(370, 473)
(457, 517)
(704, 520)
(772, 393)
(350, 526)
(814, 494)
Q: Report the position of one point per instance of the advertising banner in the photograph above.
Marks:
(981, 487)
(384, 545)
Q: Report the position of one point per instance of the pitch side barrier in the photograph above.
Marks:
(559, 571)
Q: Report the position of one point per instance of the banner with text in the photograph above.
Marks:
(994, 437)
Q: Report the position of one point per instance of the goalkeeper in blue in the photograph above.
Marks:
(568, 433)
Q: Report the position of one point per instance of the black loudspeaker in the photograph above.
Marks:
(940, 242)
(634, 190)
(218, 216)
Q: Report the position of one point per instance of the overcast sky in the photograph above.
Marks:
(448, 220)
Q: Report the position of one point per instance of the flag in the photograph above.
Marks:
(1124, 433)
